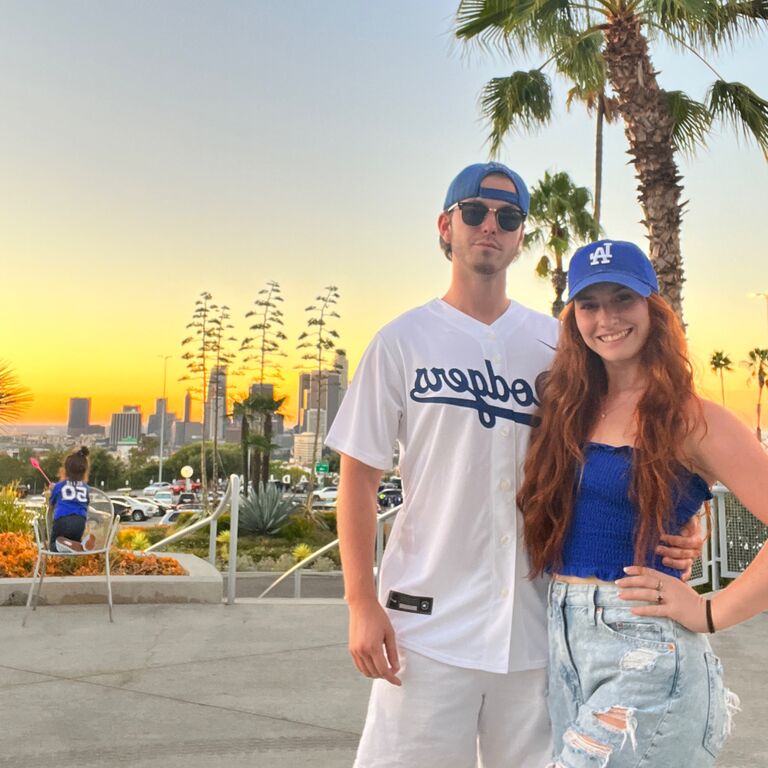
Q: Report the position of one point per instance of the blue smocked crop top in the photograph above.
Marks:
(600, 540)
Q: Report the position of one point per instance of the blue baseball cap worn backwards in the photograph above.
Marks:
(468, 184)
(611, 261)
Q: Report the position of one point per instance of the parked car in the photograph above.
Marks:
(172, 515)
(140, 510)
(188, 497)
(164, 498)
(181, 485)
(123, 511)
(328, 493)
(160, 510)
(153, 488)
(390, 497)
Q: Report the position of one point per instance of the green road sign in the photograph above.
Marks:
(321, 468)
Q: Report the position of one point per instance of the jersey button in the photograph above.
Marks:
(504, 540)
(505, 485)
(505, 593)
(505, 431)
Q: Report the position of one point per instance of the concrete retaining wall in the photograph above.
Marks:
(203, 585)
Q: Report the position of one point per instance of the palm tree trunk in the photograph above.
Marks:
(722, 387)
(244, 452)
(256, 469)
(648, 127)
(265, 455)
(759, 399)
(559, 282)
(600, 120)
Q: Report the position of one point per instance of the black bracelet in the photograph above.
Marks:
(710, 623)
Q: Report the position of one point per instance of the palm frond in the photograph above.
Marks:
(520, 102)
(677, 15)
(496, 24)
(543, 267)
(14, 398)
(522, 26)
(728, 22)
(581, 60)
(740, 106)
(691, 121)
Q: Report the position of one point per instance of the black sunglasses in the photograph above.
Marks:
(509, 217)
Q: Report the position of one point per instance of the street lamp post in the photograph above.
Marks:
(162, 417)
(761, 295)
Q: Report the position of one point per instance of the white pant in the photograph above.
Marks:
(451, 717)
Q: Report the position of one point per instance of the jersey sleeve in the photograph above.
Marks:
(55, 493)
(368, 422)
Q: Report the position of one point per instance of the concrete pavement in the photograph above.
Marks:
(259, 684)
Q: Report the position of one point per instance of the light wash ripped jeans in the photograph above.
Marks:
(630, 691)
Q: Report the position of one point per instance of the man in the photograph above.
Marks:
(458, 644)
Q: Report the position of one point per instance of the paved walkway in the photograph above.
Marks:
(262, 685)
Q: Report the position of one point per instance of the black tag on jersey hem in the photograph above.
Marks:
(399, 601)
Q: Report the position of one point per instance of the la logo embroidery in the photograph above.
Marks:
(601, 255)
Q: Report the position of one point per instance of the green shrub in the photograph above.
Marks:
(245, 563)
(329, 521)
(14, 517)
(155, 532)
(265, 512)
(324, 564)
(186, 518)
(298, 529)
(282, 563)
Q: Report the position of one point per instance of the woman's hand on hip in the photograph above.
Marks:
(666, 596)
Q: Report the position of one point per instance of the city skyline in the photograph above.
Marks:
(147, 159)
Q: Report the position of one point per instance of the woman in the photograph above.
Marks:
(626, 450)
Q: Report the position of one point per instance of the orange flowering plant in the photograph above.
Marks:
(18, 554)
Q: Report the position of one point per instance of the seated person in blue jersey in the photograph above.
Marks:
(69, 500)
(626, 450)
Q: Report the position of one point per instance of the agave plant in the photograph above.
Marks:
(266, 511)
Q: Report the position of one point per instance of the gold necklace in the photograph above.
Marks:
(605, 411)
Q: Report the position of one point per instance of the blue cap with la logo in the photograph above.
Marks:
(611, 261)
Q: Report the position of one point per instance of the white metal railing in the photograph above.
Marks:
(737, 537)
(296, 570)
(231, 499)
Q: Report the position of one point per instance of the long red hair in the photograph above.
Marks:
(570, 398)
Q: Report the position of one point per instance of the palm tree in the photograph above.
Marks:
(255, 412)
(13, 397)
(582, 38)
(265, 406)
(758, 369)
(560, 218)
(720, 362)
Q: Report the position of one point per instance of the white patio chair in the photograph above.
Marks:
(101, 521)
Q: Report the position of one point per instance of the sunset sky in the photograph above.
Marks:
(151, 151)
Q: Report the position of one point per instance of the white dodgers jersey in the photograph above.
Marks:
(459, 397)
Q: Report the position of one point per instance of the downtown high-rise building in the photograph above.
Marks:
(326, 389)
(216, 404)
(79, 420)
(161, 420)
(125, 425)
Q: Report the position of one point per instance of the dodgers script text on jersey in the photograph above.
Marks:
(484, 387)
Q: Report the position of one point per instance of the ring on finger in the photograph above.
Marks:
(660, 586)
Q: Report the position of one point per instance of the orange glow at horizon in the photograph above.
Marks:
(51, 403)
